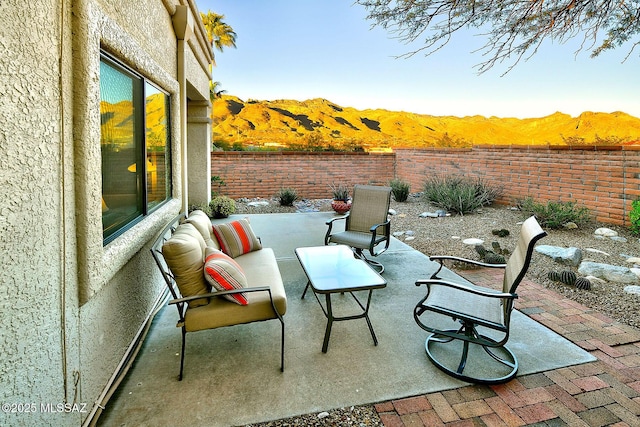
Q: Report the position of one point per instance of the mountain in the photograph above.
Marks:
(320, 123)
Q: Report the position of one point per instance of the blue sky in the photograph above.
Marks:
(303, 49)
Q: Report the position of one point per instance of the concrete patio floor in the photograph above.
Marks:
(604, 391)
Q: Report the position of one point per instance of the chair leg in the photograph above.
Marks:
(184, 335)
(374, 264)
(282, 348)
(509, 360)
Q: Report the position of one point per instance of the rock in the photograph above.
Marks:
(258, 204)
(455, 237)
(392, 212)
(605, 232)
(596, 251)
(634, 290)
(611, 273)
(570, 226)
(565, 256)
(473, 241)
(633, 260)
(398, 233)
(428, 215)
(618, 239)
(402, 215)
(322, 415)
(410, 233)
(594, 279)
(441, 212)
(635, 271)
(409, 238)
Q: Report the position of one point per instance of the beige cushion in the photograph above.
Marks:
(202, 223)
(236, 237)
(224, 274)
(184, 254)
(261, 269)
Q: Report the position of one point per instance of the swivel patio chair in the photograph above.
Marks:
(366, 225)
(484, 316)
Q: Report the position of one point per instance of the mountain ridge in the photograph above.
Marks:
(321, 123)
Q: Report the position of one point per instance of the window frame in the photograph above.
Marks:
(141, 148)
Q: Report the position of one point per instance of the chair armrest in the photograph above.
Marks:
(376, 226)
(462, 287)
(221, 293)
(330, 224)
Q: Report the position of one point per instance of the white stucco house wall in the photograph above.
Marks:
(74, 294)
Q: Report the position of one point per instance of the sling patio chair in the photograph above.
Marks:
(483, 315)
(367, 224)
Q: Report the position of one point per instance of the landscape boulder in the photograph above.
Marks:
(611, 273)
(566, 256)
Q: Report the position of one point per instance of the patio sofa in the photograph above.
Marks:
(219, 275)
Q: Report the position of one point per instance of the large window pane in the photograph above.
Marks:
(157, 141)
(135, 142)
(118, 140)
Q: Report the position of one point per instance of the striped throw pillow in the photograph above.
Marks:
(236, 237)
(224, 274)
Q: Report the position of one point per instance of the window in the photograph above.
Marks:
(134, 139)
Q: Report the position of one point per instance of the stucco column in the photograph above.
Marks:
(183, 26)
(199, 151)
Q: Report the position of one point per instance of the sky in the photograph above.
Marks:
(304, 49)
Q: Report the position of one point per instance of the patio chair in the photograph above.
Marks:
(484, 316)
(366, 225)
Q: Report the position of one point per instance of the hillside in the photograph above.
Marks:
(320, 123)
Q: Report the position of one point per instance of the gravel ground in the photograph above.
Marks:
(444, 235)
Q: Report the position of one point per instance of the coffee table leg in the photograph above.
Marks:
(327, 332)
(305, 289)
(366, 316)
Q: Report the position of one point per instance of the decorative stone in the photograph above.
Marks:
(632, 289)
(441, 212)
(455, 237)
(409, 238)
(258, 204)
(594, 279)
(596, 251)
(398, 233)
(570, 226)
(611, 273)
(410, 233)
(428, 215)
(392, 212)
(565, 256)
(618, 239)
(473, 241)
(633, 260)
(605, 232)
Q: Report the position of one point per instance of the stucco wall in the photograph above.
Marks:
(71, 306)
(32, 241)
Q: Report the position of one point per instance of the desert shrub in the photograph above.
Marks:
(204, 207)
(554, 214)
(634, 216)
(460, 194)
(400, 189)
(286, 196)
(222, 206)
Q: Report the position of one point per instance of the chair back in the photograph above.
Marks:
(519, 260)
(370, 206)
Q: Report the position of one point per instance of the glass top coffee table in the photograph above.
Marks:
(334, 269)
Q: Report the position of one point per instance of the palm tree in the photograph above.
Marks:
(220, 33)
(214, 90)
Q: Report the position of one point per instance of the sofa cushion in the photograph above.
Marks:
(236, 237)
(202, 223)
(224, 274)
(261, 269)
(184, 254)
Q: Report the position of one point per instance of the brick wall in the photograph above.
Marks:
(604, 179)
(263, 174)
